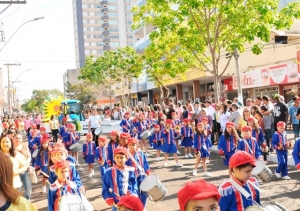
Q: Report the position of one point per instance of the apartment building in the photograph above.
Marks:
(101, 25)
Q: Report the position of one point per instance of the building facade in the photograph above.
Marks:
(275, 70)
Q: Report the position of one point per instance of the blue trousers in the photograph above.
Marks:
(282, 156)
(296, 130)
(26, 182)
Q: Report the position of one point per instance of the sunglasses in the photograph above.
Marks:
(246, 111)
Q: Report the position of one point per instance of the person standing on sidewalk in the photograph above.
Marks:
(94, 121)
(280, 111)
(293, 110)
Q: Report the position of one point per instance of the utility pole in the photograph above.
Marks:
(240, 92)
(8, 87)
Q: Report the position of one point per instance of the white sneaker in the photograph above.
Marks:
(179, 164)
(44, 189)
(195, 172)
(207, 174)
(278, 175)
(178, 153)
(77, 164)
(207, 161)
(91, 174)
(286, 177)
(165, 164)
(186, 156)
(157, 159)
(190, 155)
(147, 154)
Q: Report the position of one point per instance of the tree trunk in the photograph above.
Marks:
(164, 94)
(217, 88)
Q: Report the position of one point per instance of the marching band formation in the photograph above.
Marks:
(127, 181)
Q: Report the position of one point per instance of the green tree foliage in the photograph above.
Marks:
(84, 92)
(35, 104)
(212, 28)
(112, 68)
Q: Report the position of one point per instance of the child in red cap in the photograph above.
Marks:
(130, 203)
(157, 139)
(249, 144)
(281, 144)
(88, 153)
(112, 145)
(141, 160)
(101, 153)
(119, 180)
(187, 138)
(198, 194)
(241, 165)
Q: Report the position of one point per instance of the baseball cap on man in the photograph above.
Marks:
(198, 190)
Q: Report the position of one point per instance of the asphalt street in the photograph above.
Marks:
(284, 192)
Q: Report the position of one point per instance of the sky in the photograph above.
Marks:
(45, 46)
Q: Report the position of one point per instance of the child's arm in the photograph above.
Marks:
(106, 185)
(296, 154)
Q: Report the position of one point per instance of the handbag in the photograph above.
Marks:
(32, 174)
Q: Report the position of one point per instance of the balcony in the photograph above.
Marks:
(105, 17)
(106, 48)
(105, 33)
(104, 10)
(106, 40)
(105, 25)
(142, 43)
(104, 3)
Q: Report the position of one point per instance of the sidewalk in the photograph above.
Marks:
(272, 157)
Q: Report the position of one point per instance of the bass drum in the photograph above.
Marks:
(271, 206)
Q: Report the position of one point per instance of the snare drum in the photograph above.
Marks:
(35, 153)
(98, 131)
(154, 188)
(261, 171)
(145, 134)
(75, 147)
(271, 206)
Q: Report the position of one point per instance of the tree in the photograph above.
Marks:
(112, 68)
(84, 92)
(165, 59)
(35, 104)
(212, 28)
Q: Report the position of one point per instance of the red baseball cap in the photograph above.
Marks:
(250, 119)
(281, 124)
(114, 132)
(124, 135)
(204, 119)
(197, 190)
(131, 202)
(120, 150)
(61, 164)
(132, 140)
(102, 139)
(230, 124)
(169, 121)
(89, 135)
(42, 128)
(247, 128)
(240, 158)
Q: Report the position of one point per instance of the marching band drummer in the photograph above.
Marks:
(152, 122)
(126, 123)
(126, 183)
(169, 146)
(101, 153)
(69, 138)
(241, 165)
(249, 144)
(228, 142)
(141, 126)
(61, 186)
(281, 144)
(143, 170)
(124, 139)
(112, 145)
(296, 153)
(34, 143)
(256, 130)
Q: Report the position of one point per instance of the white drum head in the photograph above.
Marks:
(260, 165)
(149, 182)
(98, 130)
(35, 153)
(254, 208)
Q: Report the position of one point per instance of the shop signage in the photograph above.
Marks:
(248, 80)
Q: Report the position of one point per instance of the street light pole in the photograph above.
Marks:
(35, 19)
(240, 92)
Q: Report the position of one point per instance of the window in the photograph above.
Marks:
(128, 14)
(86, 44)
(112, 7)
(98, 6)
(101, 52)
(111, 0)
(129, 29)
(100, 36)
(114, 44)
(127, 1)
(86, 28)
(91, 6)
(87, 51)
(84, 21)
(114, 36)
(130, 44)
(100, 21)
(84, 14)
(129, 22)
(128, 7)
(94, 51)
(84, 6)
(88, 36)
(101, 44)
(113, 29)
(98, 29)
(113, 14)
(93, 44)
(92, 14)
(98, 14)
(130, 36)
(92, 21)
(113, 22)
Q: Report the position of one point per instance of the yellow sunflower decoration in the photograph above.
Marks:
(52, 107)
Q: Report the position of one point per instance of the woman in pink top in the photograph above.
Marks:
(37, 121)
(27, 123)
(179, 110)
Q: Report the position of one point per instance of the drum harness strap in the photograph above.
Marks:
(142, 172)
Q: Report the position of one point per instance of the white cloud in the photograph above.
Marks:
(45, 46)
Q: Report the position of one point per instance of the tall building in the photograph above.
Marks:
(101, 25)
